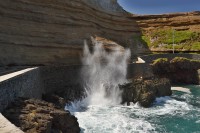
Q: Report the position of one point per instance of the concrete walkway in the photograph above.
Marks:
(7, 127)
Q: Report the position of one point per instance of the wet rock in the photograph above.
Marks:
(179, 70)
(145, 91)
(146, 99)
(37, 116)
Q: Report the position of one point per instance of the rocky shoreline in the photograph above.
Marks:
(38, 116)
(145, 91)
(179, 70)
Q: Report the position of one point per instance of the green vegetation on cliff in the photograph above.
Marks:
(174, 60)
(160, 60)
(182, 59)
(163, 39)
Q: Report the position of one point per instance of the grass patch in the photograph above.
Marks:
(160, 60)
(183, 40)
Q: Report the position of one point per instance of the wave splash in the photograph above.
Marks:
(102, 73)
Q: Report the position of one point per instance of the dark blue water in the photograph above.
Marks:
(179, 113)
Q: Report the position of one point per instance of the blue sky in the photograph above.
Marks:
(159, 6)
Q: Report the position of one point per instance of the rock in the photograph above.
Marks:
(33, 115)
(180, 21)
(145, 91)
(146, 99)
(184, 22)
(177, 69)
(50, 32)
(46, 32)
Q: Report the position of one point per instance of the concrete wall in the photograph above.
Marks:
(27, 84)
(48, 79)
(150, 58)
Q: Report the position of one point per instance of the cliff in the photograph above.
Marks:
(158, 31)
(44, 32)
(176, 70)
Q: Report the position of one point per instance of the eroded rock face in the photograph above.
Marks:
(158, 31)
(179, 21)
(106, 5)
(145, 91)
(45, 32)
(179, 70)
(36, 116)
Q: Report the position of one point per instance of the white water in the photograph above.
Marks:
(130, 119)
(100, 111)
(102, 73)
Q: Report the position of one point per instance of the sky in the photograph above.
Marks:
(159, 6)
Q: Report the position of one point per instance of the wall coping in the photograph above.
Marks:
(14, 74)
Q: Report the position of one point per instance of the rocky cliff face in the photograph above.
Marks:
(158, 31)
(179, 21)
(37, 116)
(53, 32)
(179, 70)
(44, 32)
(144, 91)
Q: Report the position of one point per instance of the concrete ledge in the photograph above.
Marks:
(25, 83)
(14, 74)
(7, 127)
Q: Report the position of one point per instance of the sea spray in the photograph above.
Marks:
(100, 115)
(101, 74)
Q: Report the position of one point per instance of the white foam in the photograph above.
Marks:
(107, 119)
(198, 121)
(126, 119)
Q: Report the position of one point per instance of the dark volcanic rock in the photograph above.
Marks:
(36, 116)
(145, 91)
(178, 70)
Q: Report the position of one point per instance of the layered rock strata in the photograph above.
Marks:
(178, 21)
(158, 31)
(35, 32)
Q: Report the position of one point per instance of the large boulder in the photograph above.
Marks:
(145, 91)
(37, 116)
(179, 70)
